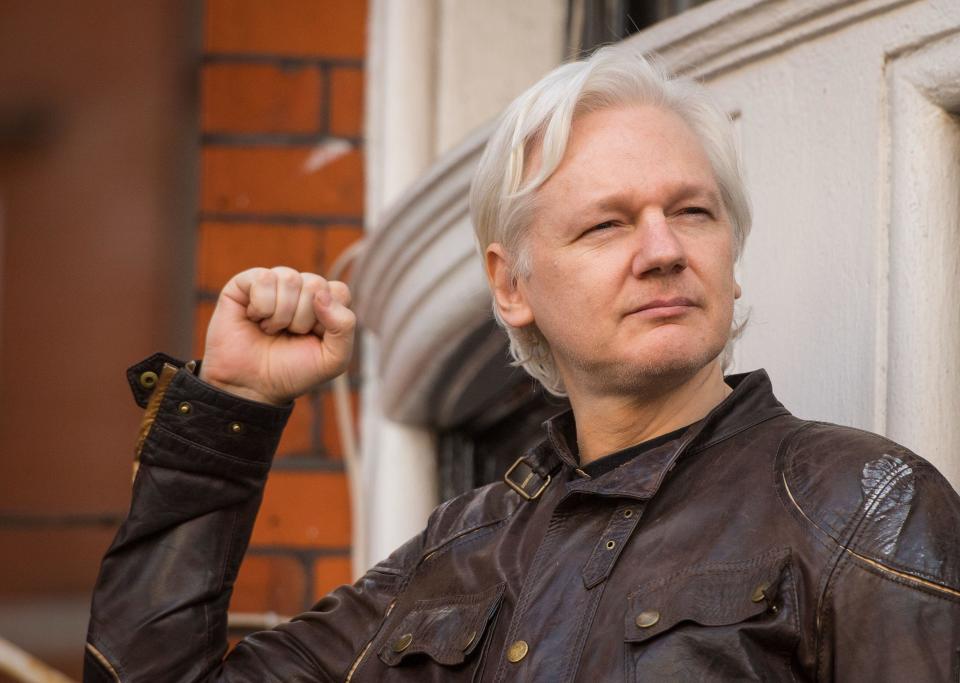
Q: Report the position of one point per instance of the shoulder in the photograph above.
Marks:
(874, 498)
(454, 519)
(482, 508)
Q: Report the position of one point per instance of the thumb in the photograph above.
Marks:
(336, 324)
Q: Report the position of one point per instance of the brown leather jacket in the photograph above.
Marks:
(757, 546)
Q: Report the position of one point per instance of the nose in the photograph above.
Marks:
(657, 249)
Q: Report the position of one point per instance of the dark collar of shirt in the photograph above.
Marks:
(617, 458)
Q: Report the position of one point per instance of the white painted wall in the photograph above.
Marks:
(488, 53)
(851, 273)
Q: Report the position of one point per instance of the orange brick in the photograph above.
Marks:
(50, 561)
(270, 583)
(329, 431)
(328, 573)
(225, 249)
(254, 98)
(280, 180)
(336, 238)
(305, 510)
(326, 28)
(201, 320)
(346, 101)
(297, 436)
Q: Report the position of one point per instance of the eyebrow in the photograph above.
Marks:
(616, 200)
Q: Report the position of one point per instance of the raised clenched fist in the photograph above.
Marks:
(277, 333)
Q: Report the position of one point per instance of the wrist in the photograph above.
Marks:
(239, 390)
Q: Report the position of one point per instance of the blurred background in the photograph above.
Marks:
(148, 151)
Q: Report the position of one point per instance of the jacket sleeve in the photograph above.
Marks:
(160, 604)
(889, 598)
(884, 626)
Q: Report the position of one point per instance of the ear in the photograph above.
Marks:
(508, 295)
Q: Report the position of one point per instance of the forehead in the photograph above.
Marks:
(645, 150)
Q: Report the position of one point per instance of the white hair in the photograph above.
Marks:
(502, 198)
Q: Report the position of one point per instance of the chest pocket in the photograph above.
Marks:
(446, 630)
(715, 622)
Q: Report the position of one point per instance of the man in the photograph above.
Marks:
(676, 525)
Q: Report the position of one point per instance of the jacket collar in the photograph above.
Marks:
(751, 402)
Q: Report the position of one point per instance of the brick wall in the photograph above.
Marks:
(282, 184)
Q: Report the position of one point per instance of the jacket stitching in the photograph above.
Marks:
(234, 518)
(467, 599)
(788, 570)
(824, 539)
(262, 466)
(728, 435)
(710, 569)
(361, 659)
(599, 565)
(455, 541)
(903, 579)
(784, 453)
(556, 523)
(589, 614)
(445, 540)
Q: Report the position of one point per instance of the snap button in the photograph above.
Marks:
(236, 428)
(403, 642)
(648, 618)
(760, 592)
(468, 641)
(184, 408)
(627, 514)
(611, 545)
(517, 651)
(148, 379)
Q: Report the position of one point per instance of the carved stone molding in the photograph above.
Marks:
(420, 285)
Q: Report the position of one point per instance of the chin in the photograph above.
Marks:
(656, 369)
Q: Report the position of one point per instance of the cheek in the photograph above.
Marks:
(564, 295)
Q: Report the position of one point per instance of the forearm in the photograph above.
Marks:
(160, 604)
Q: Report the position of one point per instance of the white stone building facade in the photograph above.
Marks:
(848, 113)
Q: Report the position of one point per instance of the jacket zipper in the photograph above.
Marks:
(363, 652)
(104, 662)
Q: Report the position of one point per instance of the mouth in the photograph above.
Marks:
(664, 308)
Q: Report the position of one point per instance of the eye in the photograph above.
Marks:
(694, 211)
(600, 226)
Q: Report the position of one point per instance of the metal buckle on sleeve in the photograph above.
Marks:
(525, 474)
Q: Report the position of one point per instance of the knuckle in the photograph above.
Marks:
(348, 320)
(340, 291)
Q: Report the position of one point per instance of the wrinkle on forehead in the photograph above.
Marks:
(668, 155)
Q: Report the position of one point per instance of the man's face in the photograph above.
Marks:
(632, 254)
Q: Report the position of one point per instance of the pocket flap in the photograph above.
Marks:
(715, 594)
(446, 629)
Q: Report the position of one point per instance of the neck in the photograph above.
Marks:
(611, 422)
